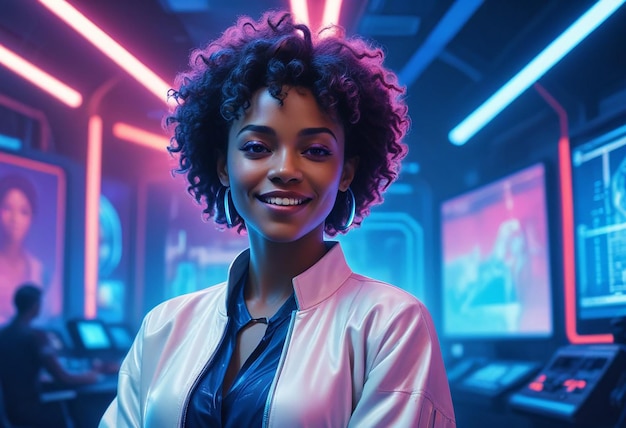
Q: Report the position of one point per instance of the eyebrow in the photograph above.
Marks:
(261, 129)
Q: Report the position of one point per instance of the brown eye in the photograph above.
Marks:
(254, 147)
(317, 152)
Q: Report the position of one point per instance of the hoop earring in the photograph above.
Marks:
(352, 202)
(229, 219)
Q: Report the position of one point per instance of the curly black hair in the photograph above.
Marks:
(345, 75)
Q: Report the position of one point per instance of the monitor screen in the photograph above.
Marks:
(495, 260)
(32, 233)
(599, 197)
(90, 335)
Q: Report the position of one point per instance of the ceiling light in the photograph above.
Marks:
(533, 71)
(332, 10)
(136, 135)
(109, 47)
(300, 11)
(40, 78)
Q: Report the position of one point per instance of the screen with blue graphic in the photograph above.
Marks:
(89, 335)
(599, 196)
(495, 259)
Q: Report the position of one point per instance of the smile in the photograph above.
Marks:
(283, 201)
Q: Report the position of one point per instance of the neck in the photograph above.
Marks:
(273, 265)
(12, 249)
(23, 319)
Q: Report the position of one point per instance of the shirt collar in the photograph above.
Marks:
(312, 286)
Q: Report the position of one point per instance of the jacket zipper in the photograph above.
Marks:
(204, 369)
(281, 362)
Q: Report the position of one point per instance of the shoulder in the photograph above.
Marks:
(386, 306)
(369, 289)
(187, 304)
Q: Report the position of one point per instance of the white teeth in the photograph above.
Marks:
(284, 201)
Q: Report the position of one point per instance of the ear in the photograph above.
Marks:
(222, 170)
(347, 175)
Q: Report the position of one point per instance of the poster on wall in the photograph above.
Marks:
(32, 220)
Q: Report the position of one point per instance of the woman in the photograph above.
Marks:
(286, 138)
(17, 265)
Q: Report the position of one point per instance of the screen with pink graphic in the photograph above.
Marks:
(496, 261)
(32, 230)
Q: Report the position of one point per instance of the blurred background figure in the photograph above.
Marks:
(24, 352)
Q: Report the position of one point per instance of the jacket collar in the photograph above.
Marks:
(312, 286)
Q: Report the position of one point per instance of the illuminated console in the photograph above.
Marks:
(489, 381)
(576, 385)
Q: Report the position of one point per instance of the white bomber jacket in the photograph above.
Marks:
(358, 353)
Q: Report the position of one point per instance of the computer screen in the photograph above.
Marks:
(599, 197)
(90, 335)
(496, 259)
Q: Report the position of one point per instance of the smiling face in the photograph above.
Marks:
(285, 165)
(15, 215)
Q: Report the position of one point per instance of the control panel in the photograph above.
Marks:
(487, 381)
(576, 385)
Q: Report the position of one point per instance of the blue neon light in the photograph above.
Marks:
(536, 68)
(10, 143)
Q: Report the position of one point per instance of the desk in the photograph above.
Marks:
(84, 403)
(54, 392)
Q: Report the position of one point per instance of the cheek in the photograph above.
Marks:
(26, 220)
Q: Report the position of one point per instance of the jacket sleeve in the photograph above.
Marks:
(126, 408)
(406, 384)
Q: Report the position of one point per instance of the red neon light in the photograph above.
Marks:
(109, 47)
(574, 384)
(92, 214)
(569, 263)
(332, 10)
(567, 224)
(300, 11)
(537, 384)
(139, 136)
(40, 78)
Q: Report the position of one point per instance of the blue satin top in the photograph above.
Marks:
(244, 404)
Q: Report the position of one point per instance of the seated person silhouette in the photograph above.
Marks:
(24, 352)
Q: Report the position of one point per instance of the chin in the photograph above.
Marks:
(286, 233)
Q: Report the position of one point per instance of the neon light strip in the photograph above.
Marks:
(40, 78)
(139, 136)
(536, 68)
(567, 224)
(140, 254)
(109, 47)
(300, 11)
(92, 214)
(332, 10)
(448, 27)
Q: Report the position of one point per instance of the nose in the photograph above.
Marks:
(285, 167)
